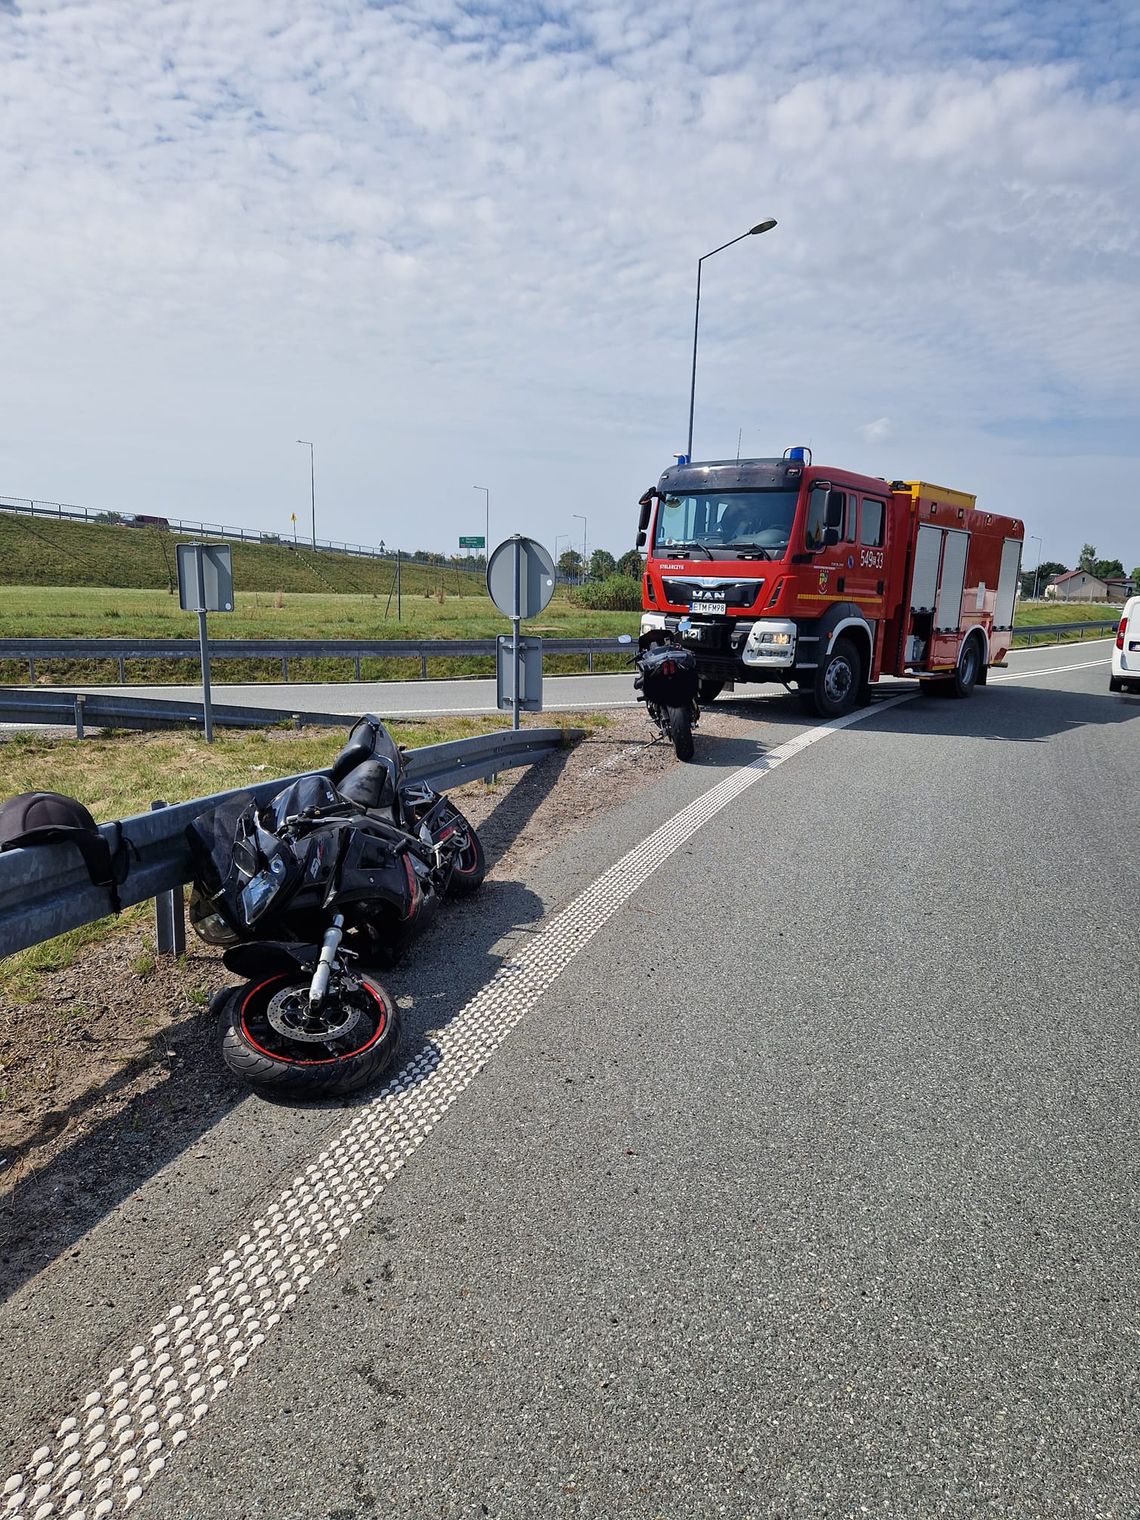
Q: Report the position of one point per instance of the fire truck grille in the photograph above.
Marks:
(690, 593)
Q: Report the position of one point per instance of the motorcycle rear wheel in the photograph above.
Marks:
(275, 1065)
(470, 864)
(681, 728)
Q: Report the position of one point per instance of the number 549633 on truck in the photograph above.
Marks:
(826, 580)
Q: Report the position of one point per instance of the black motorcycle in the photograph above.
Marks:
(667, 683)
(336, 872)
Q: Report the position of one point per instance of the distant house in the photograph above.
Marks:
(1119, 590)
(1077, 586)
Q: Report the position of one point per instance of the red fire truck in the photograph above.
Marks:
(783, 570)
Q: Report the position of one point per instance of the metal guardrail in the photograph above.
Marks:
(45, 890)
(83, 709)
(1030, 633)
(121, 650)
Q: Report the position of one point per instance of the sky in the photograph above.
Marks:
(456, 245)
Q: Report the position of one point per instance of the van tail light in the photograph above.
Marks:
(1120, 633)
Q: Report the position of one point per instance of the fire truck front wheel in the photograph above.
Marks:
(838, 680)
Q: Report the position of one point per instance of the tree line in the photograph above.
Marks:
(1104, 569)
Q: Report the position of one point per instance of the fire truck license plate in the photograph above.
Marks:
(716, 608)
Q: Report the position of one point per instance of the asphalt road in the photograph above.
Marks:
(771, 1151)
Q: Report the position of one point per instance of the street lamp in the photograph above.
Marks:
(486, 490)
(752, 232)
(578, 517)
(1033, 539)
(312, 485)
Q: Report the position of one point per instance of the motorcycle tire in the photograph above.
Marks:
(681, 729)
(470, 865)
(275, 1065)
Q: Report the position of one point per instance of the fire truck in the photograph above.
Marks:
(826, 580)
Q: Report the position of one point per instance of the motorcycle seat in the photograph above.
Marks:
(370, 784)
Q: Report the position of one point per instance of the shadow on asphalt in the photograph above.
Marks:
(1007, 713)
(46, 1212)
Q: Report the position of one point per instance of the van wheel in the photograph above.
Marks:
(1114, 684)
(969, 667)
(838, 681)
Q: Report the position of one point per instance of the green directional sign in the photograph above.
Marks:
(473, 543)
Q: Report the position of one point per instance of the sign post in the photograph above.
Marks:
(520, 578)
(205, 584)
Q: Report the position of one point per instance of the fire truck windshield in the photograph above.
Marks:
(751, 521)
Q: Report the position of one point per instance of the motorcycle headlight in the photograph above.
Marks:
(209, 924)
(257, 894)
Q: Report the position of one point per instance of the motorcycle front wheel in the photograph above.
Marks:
(270, 1044)
(681, 728)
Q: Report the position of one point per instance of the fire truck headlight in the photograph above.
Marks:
(651, 620)
(770, 642)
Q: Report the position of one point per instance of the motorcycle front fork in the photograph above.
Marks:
(319, 986)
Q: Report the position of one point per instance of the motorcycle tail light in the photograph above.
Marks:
(668, 667)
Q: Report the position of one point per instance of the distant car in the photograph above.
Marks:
(141, 520)
(1125, 674)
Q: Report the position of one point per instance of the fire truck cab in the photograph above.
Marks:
(826, 580)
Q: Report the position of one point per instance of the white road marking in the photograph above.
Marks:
(1053, 670)
(118, 1438)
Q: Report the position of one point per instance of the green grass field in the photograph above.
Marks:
(35, 551)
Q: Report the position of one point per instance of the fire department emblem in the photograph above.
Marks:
(823, 580)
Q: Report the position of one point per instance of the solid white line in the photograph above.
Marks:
(120, 1436)
(1053, 670)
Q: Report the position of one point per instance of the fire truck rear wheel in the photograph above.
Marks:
(838, 681)
(969, 667)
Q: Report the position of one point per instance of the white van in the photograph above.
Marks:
(1126, 652)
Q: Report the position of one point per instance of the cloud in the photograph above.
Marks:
(878, 431)
(467, 235)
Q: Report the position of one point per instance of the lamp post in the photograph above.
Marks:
(312, 485)
(578, 517)
(752, 232)
(486, 490)
(1035, 540)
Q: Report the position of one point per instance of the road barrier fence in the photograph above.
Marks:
(281, 650)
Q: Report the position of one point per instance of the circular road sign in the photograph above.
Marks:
(520, 568)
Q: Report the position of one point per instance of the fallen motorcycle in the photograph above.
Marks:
(335, 873)
(667, 683)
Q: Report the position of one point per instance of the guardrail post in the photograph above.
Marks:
(589, 662)
(122, 671)
(285, 670)
(31, 670)
(423, 667)
(169, 916)
(356, 665)
(79, 700)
